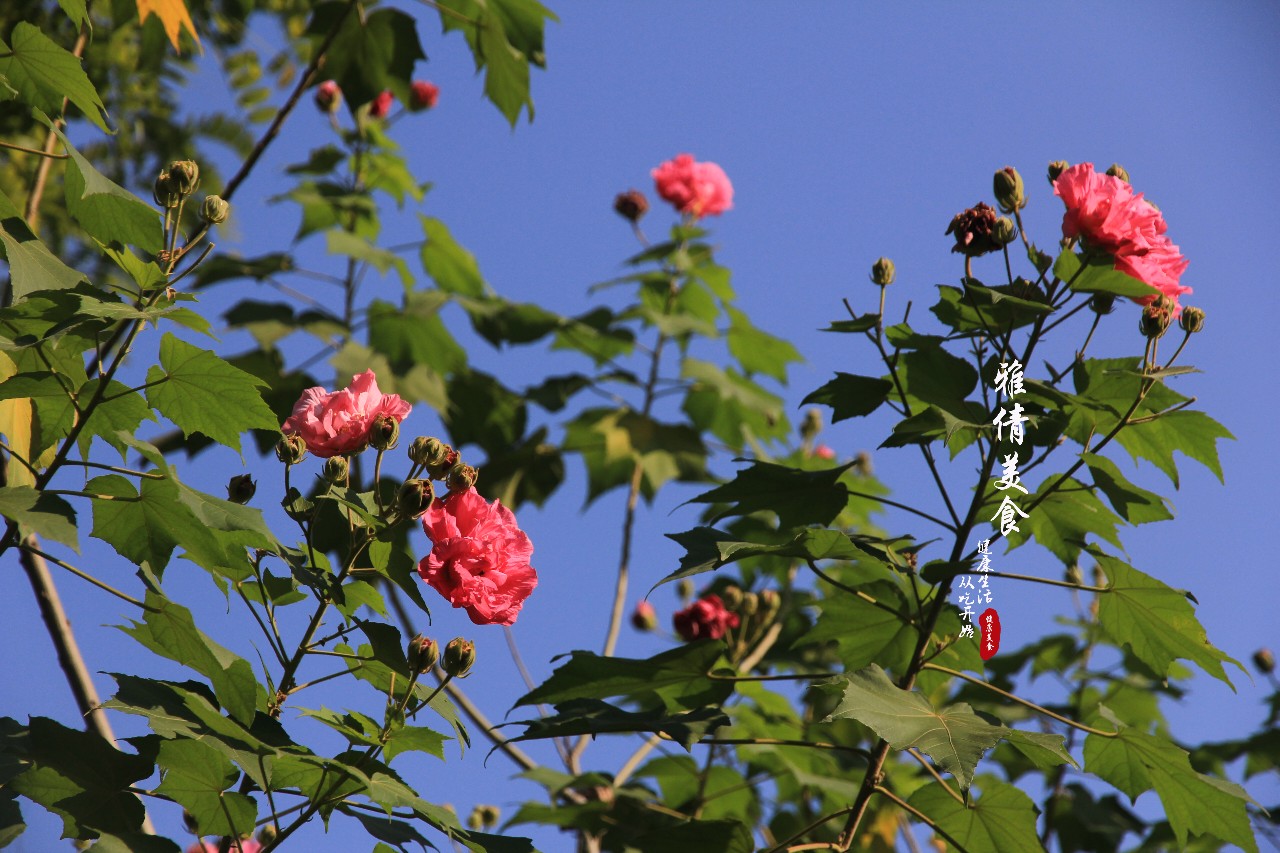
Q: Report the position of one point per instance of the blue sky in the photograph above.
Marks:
(850, 131)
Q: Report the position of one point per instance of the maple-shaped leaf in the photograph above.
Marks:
(173, 17)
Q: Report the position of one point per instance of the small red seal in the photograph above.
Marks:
(989, 621)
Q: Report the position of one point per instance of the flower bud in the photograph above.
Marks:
(423, 654)
(447, 459)
(973, 228)
(1004, 231)
(1192, 320)
(291, 449)
(1010, 194)
(1118, 171)
(461, 477)
(770, 604)
(380, 107)
(336, 469)
(1102, 303)
(459, 657)
(164, 192)
(1056, 168)
(414, 497)
(241, 488)
(423, 95)
(644, 617)
(425, 450)
(1156, 317)
(750, 604)
(882, 272)
(185, 176)
(328, 96)
(214, 210)
(267, 834)
(631, 205)
(732, 597)
(483, 817)
(384, 433)
(811, 425)
(1265, 661)
(684, 588)
(1074, 575)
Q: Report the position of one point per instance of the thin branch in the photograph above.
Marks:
(859, 593)
(921, 816)
(786, 845)
(1033, 579)
(38, 152)
(1024, 702)
(27, 546)
(928, 765)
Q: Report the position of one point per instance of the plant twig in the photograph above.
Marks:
(1024, 702)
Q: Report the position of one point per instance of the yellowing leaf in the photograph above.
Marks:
(173, 16)
(16, 416)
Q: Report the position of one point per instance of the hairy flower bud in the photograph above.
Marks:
(483, 817)
(1118, 171)
(1156, 317)
(1265, 661)
(291, 449)
(336, 469)
(631, 205)
(164, 191)
(459, 657)
(731, 596)
(973, 229)
(882, 272)
(241, 488)
(384, 432)
(461, 477)
(414, 497)
(426, 450)
(644, 617)
(214, 210)
(1192, 320)
(1056, 168)
(1004, 231)
(438, 470)
(1102, 303)
(1010, 193)
(185, 176)
(423, 654)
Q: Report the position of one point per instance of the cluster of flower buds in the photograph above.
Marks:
(740, 617)
(439, 461)
(423, 95)
(177, 182)
(1157, 317)
(483, 818)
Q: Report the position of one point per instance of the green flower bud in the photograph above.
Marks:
(1156, 317)
(384, 433)
(1102, 303)
(732, 597)
(267, 834)
(1056, 168)
(1265, 661)
(185, 176)
(461, 477)
(1118, 171)
(811, 425)
(336, 469)
(1192, 320)
(483, 817)
(164, 191)
(1010, 194)
(750, 604)
(423, 654)
(214, 209)
(291, 449)
(684, 588)
(425, 451)
(414, 497)
(770, 604)
(882, 272)
(459, 657)
(439, 470)
(241, 488)
(1004, 231)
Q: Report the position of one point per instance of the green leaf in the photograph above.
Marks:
(505, 37)
(360, 249)
(978, 308)
(697, 836)
(1062, 521)
(1194, 434)
(1134, 503)
(613, 441)
(758, 351)
(1045, 749)
(1002, 820)
(679, 676)
(1155, 621)
(1194, 803)
(40, 512)
(866, 633)
(955, 737)
(485, 412)
(197, 776)
(732, 407)
(594, 717)
(106, 211)
(168, 630)
(798, 497)
(414, 334)
(707, 549)
(1099, 277)
(851, 396)
(43, 74)
(200, 392)
(32, 267)
(123, 411)
(450, 266)
(370, 52)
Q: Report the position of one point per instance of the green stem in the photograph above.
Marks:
(1024, 702)
(921, 816)
(102, 585)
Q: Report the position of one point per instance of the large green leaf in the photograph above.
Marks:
(109, 213)
(122, 411)
(450, 266)
(43, 74)
(1062, 521)
(197, 777)
(1196, 804)
(1002, 820)
(707, 549)
(851, 396)
(594, 717)
(955, 737)
(1099, 277)
(732, 407)
(362, 249)
(758, 351)
(32, 267)
(1134, 503)
(200, 392)
(798, 497)
(1155, 621)
(40, 512)
(372, 51)
(680, 677)
(865, 633)
(414, 334)
(506, 37)
(613, 441)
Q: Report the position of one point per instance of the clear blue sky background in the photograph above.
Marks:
(849, 132)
